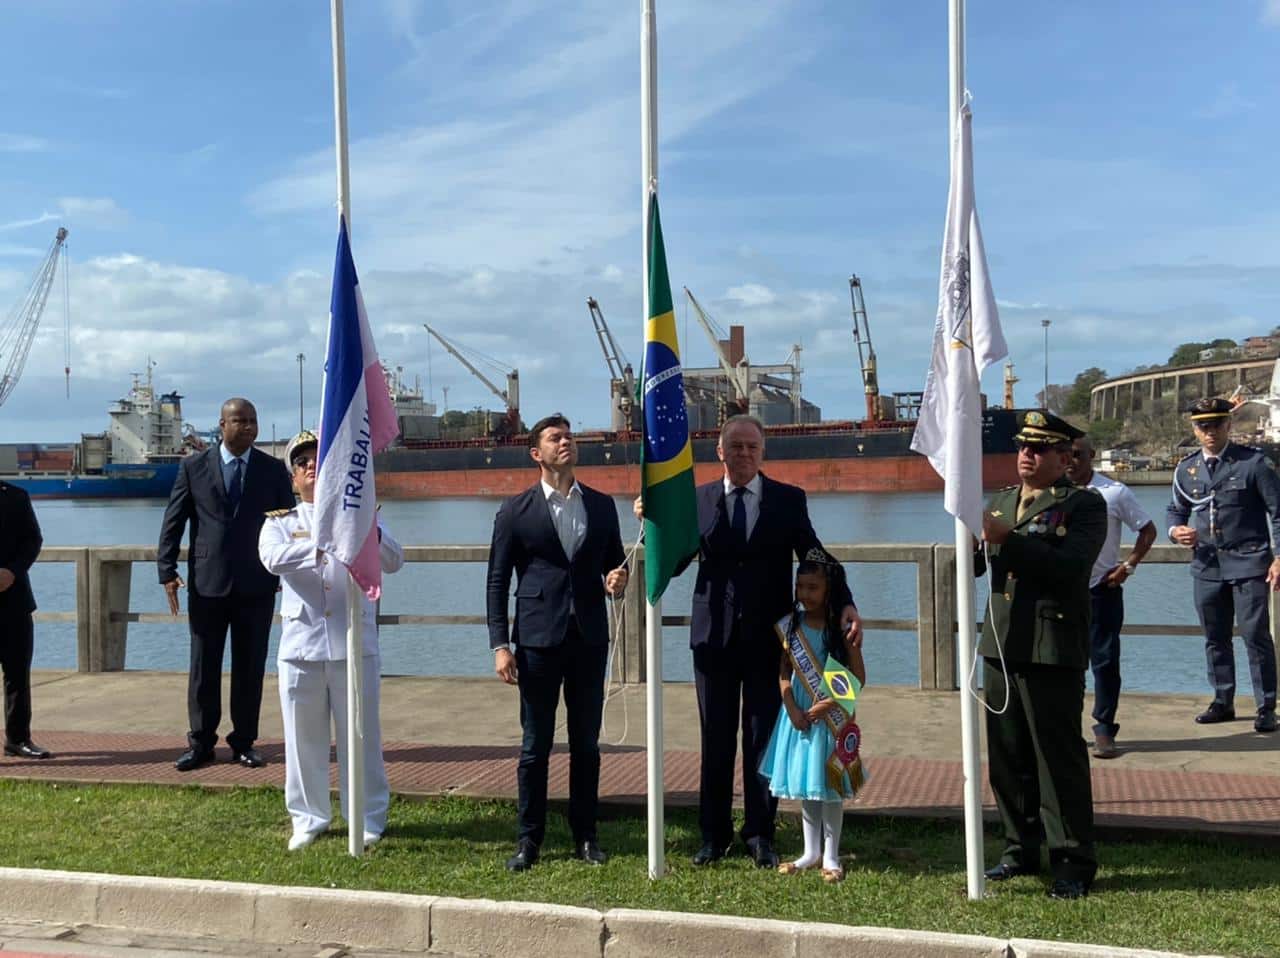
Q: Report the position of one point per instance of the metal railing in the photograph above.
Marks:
(102, 614)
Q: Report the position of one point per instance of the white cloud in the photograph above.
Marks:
(1271, 12)
(751, 294)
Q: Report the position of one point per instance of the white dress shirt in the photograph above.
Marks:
(750, 499)
(1122, 506)
(313, 604)
(568, 515)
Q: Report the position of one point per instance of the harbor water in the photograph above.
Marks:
(883, 591)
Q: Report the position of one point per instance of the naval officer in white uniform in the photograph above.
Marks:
(312, 663)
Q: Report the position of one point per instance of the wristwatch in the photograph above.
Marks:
(1130, 568)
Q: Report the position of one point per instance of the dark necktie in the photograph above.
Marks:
(236, 486)
(1210, 465)
(739, 521)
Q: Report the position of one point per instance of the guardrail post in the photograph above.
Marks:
(109, 603)
(631, 636)
(944, 611)
(84, 611)
(926, 621)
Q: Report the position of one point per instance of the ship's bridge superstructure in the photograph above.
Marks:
(144, 427)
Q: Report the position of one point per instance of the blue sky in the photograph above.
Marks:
(1124, 162)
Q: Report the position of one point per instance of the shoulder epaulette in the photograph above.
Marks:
(1189, 456)
(1016, 485)
(275, 513)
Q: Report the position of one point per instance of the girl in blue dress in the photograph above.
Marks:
(796, 759)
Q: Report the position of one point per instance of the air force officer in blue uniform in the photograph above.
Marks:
(1226, 508)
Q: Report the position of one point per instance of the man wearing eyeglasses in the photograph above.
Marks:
(1043, 536)
(1106, 589)
(1226, 509)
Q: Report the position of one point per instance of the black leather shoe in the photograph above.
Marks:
(249, 758)
(192, 759)
(590, 853)
(1004, 871)
(1265, 722)
(526, 857)
(764, 855)
(1068, 889)
(1215, 713)
(709, 853)
(30, 749)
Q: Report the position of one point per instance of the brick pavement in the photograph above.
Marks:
(1126, 799)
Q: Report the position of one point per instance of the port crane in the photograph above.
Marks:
(622, 378)
(19, 329)
(780, 380)
(866, 352)
(509, 396)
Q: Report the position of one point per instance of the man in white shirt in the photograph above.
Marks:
(1106, 588)
(312, 661)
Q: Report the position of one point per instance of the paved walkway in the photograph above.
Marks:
(460, 736)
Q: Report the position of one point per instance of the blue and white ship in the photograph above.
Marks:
(137, 458)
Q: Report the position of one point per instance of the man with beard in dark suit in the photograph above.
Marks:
(20, 542)
(562, 541)
(223, 494)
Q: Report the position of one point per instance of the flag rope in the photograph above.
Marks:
(970, 688)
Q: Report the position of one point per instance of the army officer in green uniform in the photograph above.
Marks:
(1043, 536)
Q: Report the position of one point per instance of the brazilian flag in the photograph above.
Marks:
(670, 510)
(841, 684)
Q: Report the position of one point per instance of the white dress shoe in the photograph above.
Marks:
(372, 838)
(302, 840)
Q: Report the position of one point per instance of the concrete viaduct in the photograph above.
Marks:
(1119, 397)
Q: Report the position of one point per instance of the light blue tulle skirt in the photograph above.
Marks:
(795, 762)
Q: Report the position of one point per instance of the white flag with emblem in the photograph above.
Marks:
(966, 340)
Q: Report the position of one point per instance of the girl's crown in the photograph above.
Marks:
(821, 556)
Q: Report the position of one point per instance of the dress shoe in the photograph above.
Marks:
(371, 838)
(1004, 871)
(1265, 722)
(708, 853)
(302, 840)
(763, 853)
(590, 853)
(192, 759)
(249, 758)
(30, 749)
(1068, 889)
(526, 857)
(1215, 713)
(1104, 746)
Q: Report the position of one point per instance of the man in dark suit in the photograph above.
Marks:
(20, 542)
(223, 494)
(1226, 509)
(562, 540)
(1043, 537)
(750, 527)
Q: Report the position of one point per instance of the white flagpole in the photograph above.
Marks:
(965, 614)
(355, 644)
(653, 616)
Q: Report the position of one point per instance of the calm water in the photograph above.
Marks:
(1156, 594)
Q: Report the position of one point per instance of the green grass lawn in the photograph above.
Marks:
(1192, 896)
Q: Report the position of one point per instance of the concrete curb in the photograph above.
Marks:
(272, 914)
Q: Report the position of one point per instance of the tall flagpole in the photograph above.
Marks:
(355, 644)
(965, 614)
(653, 614)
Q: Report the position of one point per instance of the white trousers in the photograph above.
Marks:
(311, 694)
